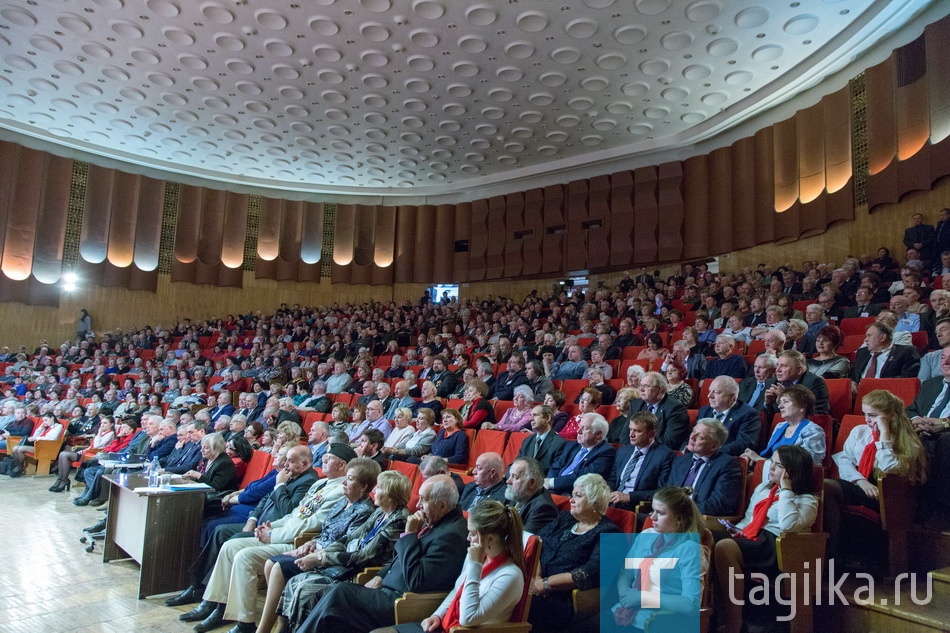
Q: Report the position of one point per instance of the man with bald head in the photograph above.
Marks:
(488, 481)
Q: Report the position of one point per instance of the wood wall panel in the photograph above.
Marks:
(837, 137)
(463, 235)
(479, 244)
(211, 228)
(882, 119)
(533, 222)
(268, 229)
(555, 228)
(497, 233)
(345, 234)
(575, 255)
(598, 232)
(720, 200)
(20, 234)
(621, 218)
(51, 221)
(645, 209)
(743, 193)
(764, 185)
(122, 220)
(9, 159)
(291, 230)
(360, 274)
(424, 254)
(810, 135)
(514, 228)
(937, 37)
(910, 100)
(97, 209)
(380, 276)
(364, 245)
(405, 243)
(785, 166)
(670, 211)
(311, 241)
(148, 225)
(385, 243)
(442, 244)
(234, 232)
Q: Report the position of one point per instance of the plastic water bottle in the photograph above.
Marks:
(153, 476)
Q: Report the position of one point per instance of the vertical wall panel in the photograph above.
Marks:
(97, 207)
(211, 228)
(424, 255)
(811, 152)
(479, 242)
(51, 221)
(381, 276)
(495, 253)
(533, 222)
(786, 169)
(463, 236)
(764, 184)
(882, 119)
(361, 274)
(644, 215)
(743, 193)
(670, 212)
(555, 228)
(837, 137)
(235, 231)
(268, 229)
(9, 159)
(291, 229)
(720, 200)
(696, 203)
(20, 235)
(598, 229)
(442, 244)
(148, 224)
(938, 78)
(621, 218)
(910, 99)
(344, 236)
(405, 243)
(311, 241)
(514, 233)
(385, 242)
(364, 249)
(341, 274)
(125, 202)
(575, 255)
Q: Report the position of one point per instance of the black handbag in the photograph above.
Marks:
(338, 572)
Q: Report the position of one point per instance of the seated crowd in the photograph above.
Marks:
(656, 399)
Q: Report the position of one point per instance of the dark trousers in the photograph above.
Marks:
(350, 608)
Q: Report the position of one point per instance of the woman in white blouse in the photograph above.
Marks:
(420, 442)
(49, 429)
(785, 501)
(401, 433)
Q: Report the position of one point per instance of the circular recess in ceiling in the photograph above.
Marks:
(335, 96)
(738, 78)
(217, 103)
(767, 53)
(442, 154)
(272, 20)
(619, 107)
(424, 38)
(376, 6)
(178, 36)
(83, 120)
(654, 67)
(145, 56)
(465, 69)
(285, 72)
(547, 150)
(519, 50)
(714, 98)
(635, 88)
(229, 42)
(475, 157)
(64, 103)
(193, 62)
(327, 53)
(541, 99)
(509, 73)
(74, 23)
(420, 63)
(44, 85)
(486, 128)
(493, 114)
(703, 11)
(640, 128)
(479, 143)
(697, 72)
(531, 116)
(145, 111)
(752, 17)
(604, 125)
(375, 101)
(300, 126)
(375, 118)
(19, 63)
(515, 147)
(676, 40)
(556, 136)
(532, 21)
(565, 55)
(375, 81)
(415, 105)
(656, 113)
(43, 43)
(132, 94)
(501, 95)
(652, 7)
(174, 98)
(594, 84)
(376, 59)
(249, 87)
(611, 61)
(94, 49)
(110, 4)
(337, 115)
(722, 46)
(68, 68)
(330, 77)
(324, 26)
(674, 94)
(481, 15)
(375, 32)
(446, 141)
(567, 120)
(375, 134)
(450, 126)
(279, 48)
(376, 148)
(581, 28)
(629, 34)
(801, 24)
(436, 176)
(522, 132)
(459, 90)
(580, 103)
(217, 12)
(338, 130)
(553, 79)
(454, 109)
(428, 9)
(127, 29)
(187, 116)
(472, 44)
(160, 79)
(599, 4)
(470, 169)
(163, 8)
(18, 16)
(418, 86)
(240, 67)
(116, 74)
(439, 165)
(693, 118)
(592, 139)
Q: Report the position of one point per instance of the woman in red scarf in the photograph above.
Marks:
(783, 502)
(492, 579)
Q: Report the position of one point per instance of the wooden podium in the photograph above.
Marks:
(159, 530)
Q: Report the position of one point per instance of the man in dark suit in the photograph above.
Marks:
(715, 478)
(930, 415)
(880, 358)
(190, 455)
(741, 421)
(428, 558)
(752, 389)
(863, 306)
(488, 481)
(224, 406)
(640, 467)
(444, 380)
(922, 237)
(672, 418)
(544, 444)
(792, 369)
(525, 489)
(590, 454)
(508, 380)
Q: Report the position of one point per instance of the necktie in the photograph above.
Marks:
(719, 415)
(693, 471)
(872, 366)
(537, 447)
(942, 404)
(581, 454)
(630, 467)
(759, 386)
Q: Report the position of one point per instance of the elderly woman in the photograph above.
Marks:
(619, 432)
(518, 417)
(795, 405)
(826, 362)
(239, 451)
(737, 330)
(215, 469)
(556, 399)
(679, 389)
(654, 349)
(252, 433)
(451, 443)
(402, 431)
(430, 398)
(355, 535)
(288, 433)
(340, 417)
(795, 335)
(477, 410)
(269, 441)
(589, 401)
(420, 442)
(49, 429)
(570, 558)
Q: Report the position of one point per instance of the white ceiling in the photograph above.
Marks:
(414, 98)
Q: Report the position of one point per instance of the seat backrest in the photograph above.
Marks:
(487, 440)
(513, 447)
(848, 423)
(856, 325)
(409, 470)
(258, 466)
(532, 568)
(625, 519)
(904, 388)
(839, 396)
(501, 406)
(562, 502)
(573, 388)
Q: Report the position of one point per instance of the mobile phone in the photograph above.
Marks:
(730, 527)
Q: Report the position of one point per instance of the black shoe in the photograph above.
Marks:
(15, 471)
(190, 595)
(98, 502)
(200, 612)
(213, 621)
(98, 526)
(60, 485)
(243, 627)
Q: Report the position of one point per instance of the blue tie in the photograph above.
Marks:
(755, 394)
(581, 454)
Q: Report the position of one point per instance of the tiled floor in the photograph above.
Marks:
(50, 584)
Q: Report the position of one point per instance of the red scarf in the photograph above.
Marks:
(451, 617)
(760, 515)
(647, 563)
(866, 465)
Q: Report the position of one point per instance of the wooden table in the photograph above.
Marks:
(159, 530)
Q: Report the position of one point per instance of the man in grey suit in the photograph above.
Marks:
(640, 467)
(792, 369)
(544, 444)
(752, 389)
(741, 420)
(672, 419)
(526, 491)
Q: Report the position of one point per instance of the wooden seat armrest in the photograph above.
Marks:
(366, 575)
(795, 549)
(416, 607)
(586, 602)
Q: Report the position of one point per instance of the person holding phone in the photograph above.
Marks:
(785, 501)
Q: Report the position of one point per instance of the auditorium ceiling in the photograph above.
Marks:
(410, 99)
